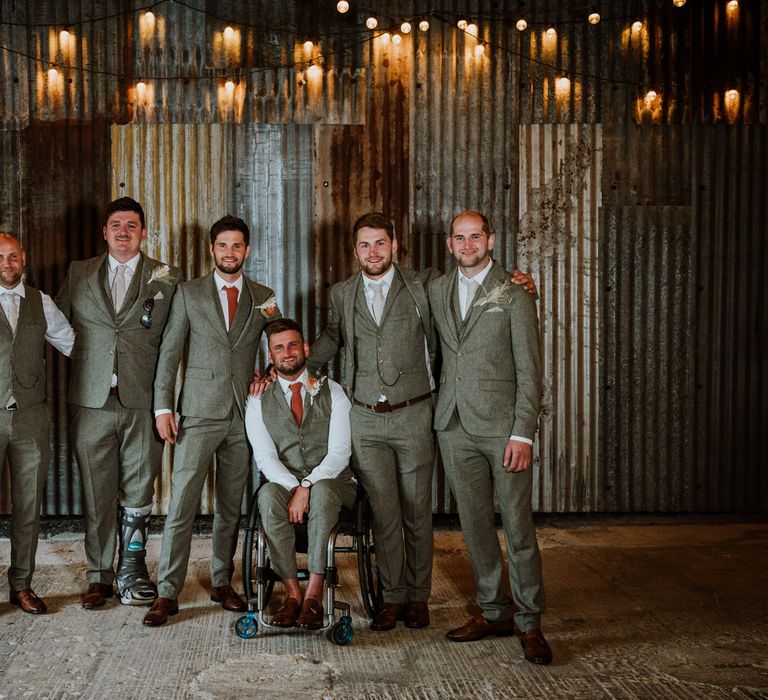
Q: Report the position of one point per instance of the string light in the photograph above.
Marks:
(228, 33)
(396, 39)
(149, 17)
(563, 84)
(521, 25)
(462, 24)
(551, 31)
(594, 18)
(308, 45)
(141, 87)
(732, 5)
(371, 23)
(230, 87)
(405, 27)
(424, 25)
(64, 36)
(53, 73)
(342, 6)
(479, 50)
(471, 30)
(678, 3)
(386, 37)
(651, 95)
(637, 26)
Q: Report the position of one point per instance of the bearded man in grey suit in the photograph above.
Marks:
(118, 304)
(485, 418)
(28, 318)
(219, 318)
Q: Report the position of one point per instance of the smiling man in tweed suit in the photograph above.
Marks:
(485, 418)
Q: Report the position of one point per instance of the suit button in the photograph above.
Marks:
(458, 380)
(459, 354)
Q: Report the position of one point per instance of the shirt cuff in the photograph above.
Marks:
(162, 411)
(517, 438)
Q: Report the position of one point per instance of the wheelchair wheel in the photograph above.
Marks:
(246, 626)
(341, 633)
(367, 568)
(251, 558)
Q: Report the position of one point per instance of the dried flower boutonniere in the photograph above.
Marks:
(161, 273)
(313, 387)
(500, 294)
(269, 307)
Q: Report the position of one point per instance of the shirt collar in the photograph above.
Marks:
(285, 383)
(221, 282)
(18, 290)
(132, 263)
(386, 280)
(480, 276)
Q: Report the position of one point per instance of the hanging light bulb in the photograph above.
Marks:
(678, 3)
(732, 5)
(405, 27)
(396, 39)
(462, 24)
(308, 45)
(386, 37)
(521, 25)
(53, 73)
(551, 31)
(230, 87)
(563, 84)
(228, 33)
(64, 36)
(141, 87)
(149, 17)
(471, 30)
(424, 25)
(479, 50)
(637, 26)
(342, 6)
(594, 18)
(371, 23)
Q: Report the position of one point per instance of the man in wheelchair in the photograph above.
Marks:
(299, 430)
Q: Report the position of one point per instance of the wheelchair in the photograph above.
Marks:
(259, 578)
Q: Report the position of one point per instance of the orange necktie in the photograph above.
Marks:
(297, 405)
(231, 303)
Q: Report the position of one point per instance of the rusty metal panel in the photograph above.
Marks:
(557, 240)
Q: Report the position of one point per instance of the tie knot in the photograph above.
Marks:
(296, 388)
(469, 283)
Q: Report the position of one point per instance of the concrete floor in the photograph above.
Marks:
(650, 611)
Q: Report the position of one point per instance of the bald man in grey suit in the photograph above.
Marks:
(220, 318)
(118, 304)
(486, 416)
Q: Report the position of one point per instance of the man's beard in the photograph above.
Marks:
(296, 369)
(229, 268)
(380, 269)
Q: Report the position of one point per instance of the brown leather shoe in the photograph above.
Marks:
(228, 598)
(311, 615)
(286, 614)
(28, 601)
(387, 617)
(536, 649)
(96, 595)
(161, 610)
(416, 614)
(478, 627)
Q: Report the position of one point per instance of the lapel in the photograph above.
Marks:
(449, 310)
(351, 290)
(212, 307)
(394, 289)
(495, 276)
(97, 279)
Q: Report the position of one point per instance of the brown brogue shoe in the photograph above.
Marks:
(161, 610)
(478, 627)
(311, 615)
(28, 601)
(96, 595)
(387, 617)
(536, 649)
(228, 598)
(416, 614)
(286, 614)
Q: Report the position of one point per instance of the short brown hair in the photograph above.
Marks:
(373, 219)
(230, 223)
(280, 325)
(124, 204)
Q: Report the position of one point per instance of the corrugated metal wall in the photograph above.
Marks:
(642, 218)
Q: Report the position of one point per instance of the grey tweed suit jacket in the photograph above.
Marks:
(101, 333)
(219, 363)
(491, 371)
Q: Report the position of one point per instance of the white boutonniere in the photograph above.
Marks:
(269, 307)
(162, 273)
(313, 387)
(500, 294)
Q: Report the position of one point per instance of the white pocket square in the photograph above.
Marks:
(159, 295)
(494, 309)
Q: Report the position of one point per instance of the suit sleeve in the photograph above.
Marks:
(524, 330)
(324, 349)
(171, 349)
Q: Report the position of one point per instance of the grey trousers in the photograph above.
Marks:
(199, 439)
(474, 469)
(394, 458)
(325, 501)
(24, 440)
(119, 455)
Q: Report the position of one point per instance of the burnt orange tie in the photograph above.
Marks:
(297, 405)
(231, 303)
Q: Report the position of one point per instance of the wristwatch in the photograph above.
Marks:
(306, 483)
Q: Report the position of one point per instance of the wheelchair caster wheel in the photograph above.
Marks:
(341, 633)
(246, 626)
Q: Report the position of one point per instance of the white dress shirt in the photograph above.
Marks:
(464, 302)
(221, 282)
(58, 332)
(339, 437)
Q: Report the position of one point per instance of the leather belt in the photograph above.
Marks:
(113, 391)
(386, 407)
